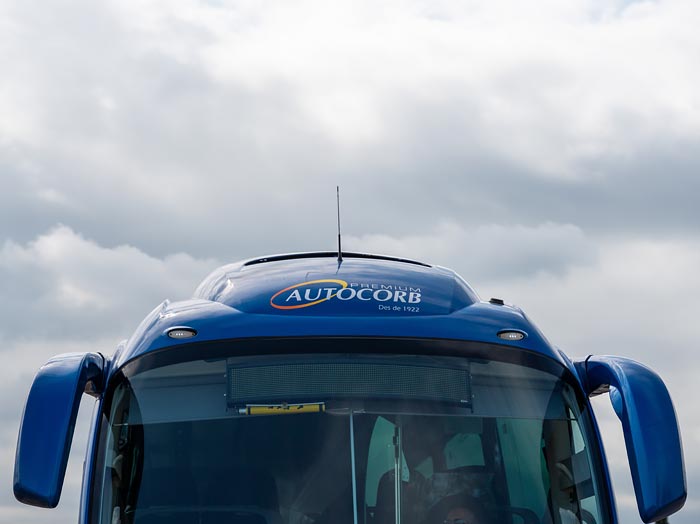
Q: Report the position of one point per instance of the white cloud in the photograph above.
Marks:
(25, 358)
(550, 155)
(202, 115)
(62, 284)
(588, 295)
(638, 300)
(631, 297)
(488, 251)
(557, 87)
(554, 90)
(639, 295)
(64, 293)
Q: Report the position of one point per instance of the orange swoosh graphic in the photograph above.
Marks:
(299, 306)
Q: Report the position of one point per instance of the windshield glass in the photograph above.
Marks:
(348, 439)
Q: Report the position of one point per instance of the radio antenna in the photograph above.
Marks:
(337, 198)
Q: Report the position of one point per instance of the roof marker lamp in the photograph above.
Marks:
(511, 335)
(179, 333)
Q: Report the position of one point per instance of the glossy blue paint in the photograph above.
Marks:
(360, 297)
(322, 287)
(641, 401)
(313, 295)
(48, 422)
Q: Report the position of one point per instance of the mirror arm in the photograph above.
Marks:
(48, 424)
(652, 437)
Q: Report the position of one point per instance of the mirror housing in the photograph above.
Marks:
(652, 437)
(48, 423)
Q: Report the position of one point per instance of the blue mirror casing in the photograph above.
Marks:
(48, 422)
(643, 405)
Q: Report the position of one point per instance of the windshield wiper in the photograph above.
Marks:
(397, 472)
(352, 461)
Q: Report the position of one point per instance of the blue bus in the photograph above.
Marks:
(304, 389)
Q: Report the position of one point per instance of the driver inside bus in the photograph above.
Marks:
(460, 515)
(466, 512)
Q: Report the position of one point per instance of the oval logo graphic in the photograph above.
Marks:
(307, 294)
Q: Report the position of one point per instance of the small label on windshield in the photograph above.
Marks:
(282, 409)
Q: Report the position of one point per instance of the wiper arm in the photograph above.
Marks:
(354, 474)
(397, 473)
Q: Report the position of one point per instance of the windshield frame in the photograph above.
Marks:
(348, 345)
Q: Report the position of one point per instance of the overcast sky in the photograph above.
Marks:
(549, 153)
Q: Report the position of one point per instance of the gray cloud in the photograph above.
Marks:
(62, 284)
(26, 357)
(621, 300)
(212, 120)
(490, 251)
(549, 156)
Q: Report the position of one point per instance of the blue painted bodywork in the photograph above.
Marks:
(308, 295)
(236, 301)
(642, 403)
(48, 423)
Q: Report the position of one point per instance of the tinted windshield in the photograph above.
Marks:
(349, 439)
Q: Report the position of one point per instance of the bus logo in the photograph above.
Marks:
(314, 292)
(307, 294)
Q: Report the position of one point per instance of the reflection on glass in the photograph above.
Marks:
(179, 448)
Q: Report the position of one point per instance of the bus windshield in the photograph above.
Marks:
(346, 439)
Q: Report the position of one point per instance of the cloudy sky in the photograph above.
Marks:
(549, 153)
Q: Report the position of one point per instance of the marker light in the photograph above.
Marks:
(511, 335)
(181, 332)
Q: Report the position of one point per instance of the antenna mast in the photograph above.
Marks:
(337, 196)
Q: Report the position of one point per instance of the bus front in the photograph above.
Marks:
(295, 391)
(347, 430)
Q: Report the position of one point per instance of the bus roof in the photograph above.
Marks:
(313, 294)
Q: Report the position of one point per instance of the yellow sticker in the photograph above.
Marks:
(285, 409)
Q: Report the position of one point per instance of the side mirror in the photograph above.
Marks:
(642, 403)
(48, 423)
